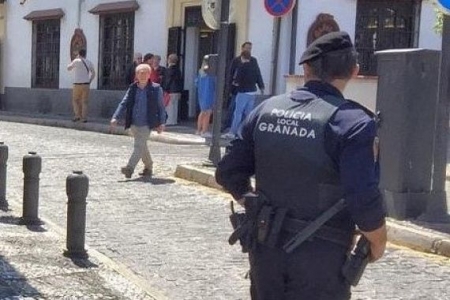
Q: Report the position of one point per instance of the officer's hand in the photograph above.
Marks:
(378, 240)
(376, 251)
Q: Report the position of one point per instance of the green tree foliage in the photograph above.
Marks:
(439, 21)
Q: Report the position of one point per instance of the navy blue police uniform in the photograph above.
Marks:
(307, 150)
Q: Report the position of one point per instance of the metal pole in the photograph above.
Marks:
(214, 150)
(437, 209)
(77, 187)
(3, 165)
(293, 49)
(32, 165)
(275, 50)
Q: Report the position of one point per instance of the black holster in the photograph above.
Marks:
(261, 223)
(356, 262)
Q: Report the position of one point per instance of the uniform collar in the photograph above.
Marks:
(321, 88)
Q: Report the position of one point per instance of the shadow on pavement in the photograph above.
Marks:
(9, 220)
(36, 228)
(84, 263)
(13, 283)
(152, 180)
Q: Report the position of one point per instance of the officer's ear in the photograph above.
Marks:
(355, 71)
(307, 71)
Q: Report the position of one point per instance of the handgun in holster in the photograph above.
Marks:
(356, 262)
(240, 225)
(244, 224)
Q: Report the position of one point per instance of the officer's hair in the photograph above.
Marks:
(338, 65)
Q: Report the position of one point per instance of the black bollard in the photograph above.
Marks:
(77, 186)
(32, 165)
(3, 160)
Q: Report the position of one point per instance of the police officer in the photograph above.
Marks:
(307, 150)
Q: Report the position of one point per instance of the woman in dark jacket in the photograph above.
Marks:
(173, 85)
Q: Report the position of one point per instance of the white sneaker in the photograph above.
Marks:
(228, 135)
(206, 135)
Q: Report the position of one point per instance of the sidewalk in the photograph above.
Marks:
(32, 266)
(178, 134)
(427, 237)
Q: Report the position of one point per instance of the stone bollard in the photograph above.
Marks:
(77, 186)
(32, 165)
(3, 160)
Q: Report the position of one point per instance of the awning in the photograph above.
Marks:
(115, 7)
(45, 14)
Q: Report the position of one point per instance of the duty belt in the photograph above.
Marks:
(314, 226)
(325, 232)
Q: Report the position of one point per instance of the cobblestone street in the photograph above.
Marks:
(170, 232)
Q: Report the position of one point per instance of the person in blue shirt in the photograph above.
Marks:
(206, 88)
(308, 150)
(143, 109)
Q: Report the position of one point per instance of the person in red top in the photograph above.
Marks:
(158, 71)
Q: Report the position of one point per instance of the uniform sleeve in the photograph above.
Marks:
(351, 141)
(233, 172)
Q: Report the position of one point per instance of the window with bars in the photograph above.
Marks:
(384, 24)
(45, 66)
(116, 50)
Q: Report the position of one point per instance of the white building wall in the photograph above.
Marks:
(150, 29)
(260, 25)
(344, 12)
(89, 23)
(428, 38)
(260, 32)
(150, 35)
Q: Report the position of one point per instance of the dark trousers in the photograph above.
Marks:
(311, 272)
(226, 122)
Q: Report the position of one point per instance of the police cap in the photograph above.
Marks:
(331, 42)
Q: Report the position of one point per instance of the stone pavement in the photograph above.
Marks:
(32, 267)
(422, 236)
(168, 232)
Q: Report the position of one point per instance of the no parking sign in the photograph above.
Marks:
(279, 8)
(444, 5)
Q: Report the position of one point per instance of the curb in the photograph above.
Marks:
(411, 236)
(203, 176)
(118, 267)
(418, 239)
(167, 137)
